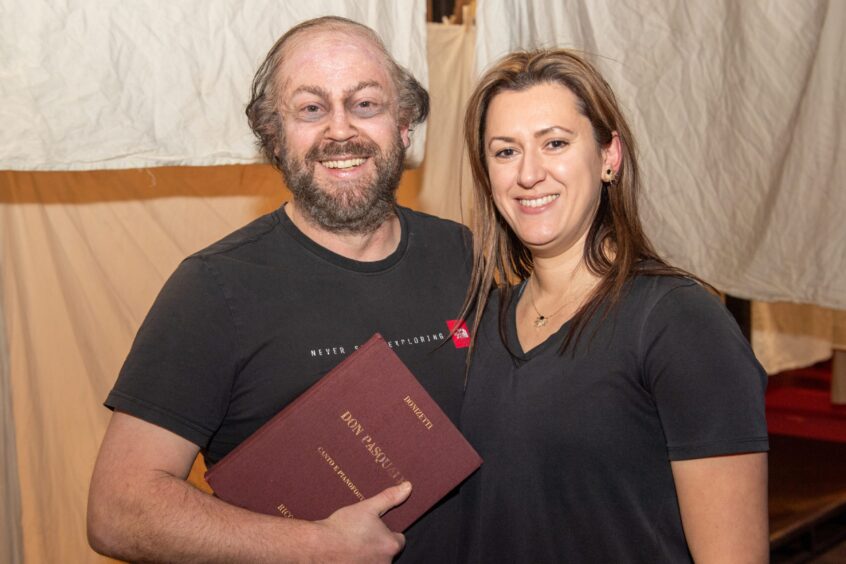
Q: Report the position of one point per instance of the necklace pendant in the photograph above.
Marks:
(540, 321)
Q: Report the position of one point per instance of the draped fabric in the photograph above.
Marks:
(737, 110)
(446, 189)
(10, 502)
(83, 253)
(115, 84)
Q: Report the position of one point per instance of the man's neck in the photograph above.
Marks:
(369, 247)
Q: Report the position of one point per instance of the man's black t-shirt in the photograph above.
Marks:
(244, 326)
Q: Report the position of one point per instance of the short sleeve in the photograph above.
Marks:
(707, 385)
(180, 369)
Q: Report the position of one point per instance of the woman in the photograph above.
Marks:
(617, 406)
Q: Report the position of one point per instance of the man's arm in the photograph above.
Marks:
(140, 508)
(723, 502)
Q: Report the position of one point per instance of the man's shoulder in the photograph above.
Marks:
(243, 240)
(424, 218)
(432, 226)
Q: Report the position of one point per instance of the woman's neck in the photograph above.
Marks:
(561, 275)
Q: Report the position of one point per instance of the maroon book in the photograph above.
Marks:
(366, 425)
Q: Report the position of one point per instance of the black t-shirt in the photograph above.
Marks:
(577, 447)
(243, 327)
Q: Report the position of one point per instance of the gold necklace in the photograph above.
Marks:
(541, 320)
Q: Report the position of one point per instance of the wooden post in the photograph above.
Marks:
(838, 377)
(741, 309)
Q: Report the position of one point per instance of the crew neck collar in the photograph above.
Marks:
(340, 260)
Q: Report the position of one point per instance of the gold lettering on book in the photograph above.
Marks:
(380, 457)
(352, 423)
(418, 412)
(284, 511)
(340, 473)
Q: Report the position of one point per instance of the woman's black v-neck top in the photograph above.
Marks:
(577, 446)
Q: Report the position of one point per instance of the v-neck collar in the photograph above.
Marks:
(554, 340)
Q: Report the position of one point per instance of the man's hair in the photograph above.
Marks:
(263, 110)
(616, 248)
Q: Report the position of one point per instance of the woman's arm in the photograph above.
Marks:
(723, 503)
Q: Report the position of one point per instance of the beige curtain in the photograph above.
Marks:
(446, 189)
(788, 335)
(84, 255)
(10, 501)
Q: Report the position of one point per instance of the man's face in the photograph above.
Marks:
(343, 148)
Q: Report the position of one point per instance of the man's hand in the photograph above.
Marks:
(141, 508)
(360, 534)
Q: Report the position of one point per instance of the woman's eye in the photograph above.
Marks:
(504, 153)
(557, 144)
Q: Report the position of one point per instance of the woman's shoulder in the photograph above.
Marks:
(665, 300)
(659, 283)
(649, 293)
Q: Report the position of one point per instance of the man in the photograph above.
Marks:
(244, 326)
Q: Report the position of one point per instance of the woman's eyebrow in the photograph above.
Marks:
(552, 128)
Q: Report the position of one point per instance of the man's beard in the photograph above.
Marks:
(356, 206)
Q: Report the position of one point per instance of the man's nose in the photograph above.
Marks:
(340, 128)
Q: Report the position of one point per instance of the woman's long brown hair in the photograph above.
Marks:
(616, 250)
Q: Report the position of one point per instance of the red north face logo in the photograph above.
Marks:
(461, 336)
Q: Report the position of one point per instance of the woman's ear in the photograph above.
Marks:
(612, 155)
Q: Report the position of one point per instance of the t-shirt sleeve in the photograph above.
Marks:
(707, 384)
(180, 370)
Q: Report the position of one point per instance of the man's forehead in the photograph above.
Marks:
(316, 58)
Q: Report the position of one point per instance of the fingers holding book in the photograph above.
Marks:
(359, 531)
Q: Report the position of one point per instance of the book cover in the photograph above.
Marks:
(366, 425)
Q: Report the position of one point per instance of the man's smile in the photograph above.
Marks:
(343, 163)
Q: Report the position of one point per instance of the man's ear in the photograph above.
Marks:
(405, 134)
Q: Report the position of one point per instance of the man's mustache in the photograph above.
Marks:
(345, 149)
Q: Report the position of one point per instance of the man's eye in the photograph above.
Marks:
(311, 112)
(366, 108)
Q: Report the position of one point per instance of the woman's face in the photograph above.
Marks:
(545, 167)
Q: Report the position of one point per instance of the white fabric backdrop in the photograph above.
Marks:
(114, 84)
(737, 107)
